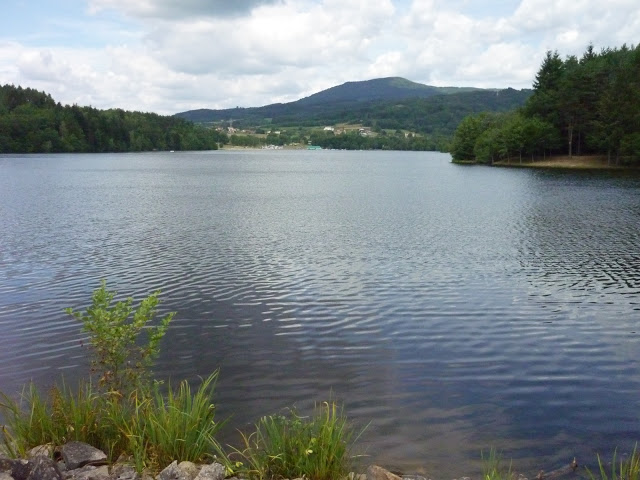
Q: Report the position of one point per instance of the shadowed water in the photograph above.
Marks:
(455, 308)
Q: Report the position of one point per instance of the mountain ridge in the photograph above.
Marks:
(335, 98)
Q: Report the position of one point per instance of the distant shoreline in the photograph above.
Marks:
(585, 162)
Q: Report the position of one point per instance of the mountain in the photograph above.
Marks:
(333, 99)
(391, 88)
(389, 103)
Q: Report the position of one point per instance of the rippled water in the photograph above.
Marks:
(455, 308)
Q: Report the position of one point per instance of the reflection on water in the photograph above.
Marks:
(456, 308)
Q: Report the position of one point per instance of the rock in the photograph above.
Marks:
(5, 476)
(19, 469)
(215, 471)
(413, 477)
(374, 472)
(121, 471)
(45, 450)
(43, 468)
(189, 468)
(79, 454)
(89, 472)
(173, 472)
(6, 465)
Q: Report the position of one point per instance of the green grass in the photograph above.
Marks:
(292, 446)
(153, 431)
(621, 469)
(493, 469)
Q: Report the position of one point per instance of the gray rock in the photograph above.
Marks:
(43, 468)
(374, 472)
(79, 454)
(189, 468)
(5, 476)
(173, 472)
(89, 472)
(215, 471)
(18, 469)
(121, 471)
(45, 450)
(413, 477)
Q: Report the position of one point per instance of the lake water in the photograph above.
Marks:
(454, 308)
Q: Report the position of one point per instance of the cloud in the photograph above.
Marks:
(168, 56)
(172, 9)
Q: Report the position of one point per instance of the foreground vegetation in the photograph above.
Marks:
(580, 106)
(31, 121)
(122, 410)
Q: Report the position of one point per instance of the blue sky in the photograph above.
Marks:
(168, 56)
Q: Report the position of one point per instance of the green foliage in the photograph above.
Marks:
(317, 448)
(30, 121)
(627, 469)
(179, 426)
(127, 413)
(121, 360)
(492, 468)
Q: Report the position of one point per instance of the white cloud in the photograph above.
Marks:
(169, 56)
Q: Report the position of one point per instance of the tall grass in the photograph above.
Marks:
(154, 430)
(317, 448)
(627, 469)
(493, 468)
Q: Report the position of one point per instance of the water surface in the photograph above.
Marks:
(455, 308)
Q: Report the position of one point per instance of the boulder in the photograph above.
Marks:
(374, 472)
(79, 454)
(5, 476)
(215, 471)
(43, 468)
(45, 450)
(122, 471)
(173, 472)
(88, 472)
(189, 468)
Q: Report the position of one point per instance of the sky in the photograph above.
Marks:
(168, 56)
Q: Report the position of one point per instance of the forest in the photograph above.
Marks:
(587, 105)
(31, 121)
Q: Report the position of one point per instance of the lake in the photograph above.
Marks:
(455, 308)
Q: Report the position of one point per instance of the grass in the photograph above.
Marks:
(627, 469)
(292, 446)
(493, 469)
(153, 431)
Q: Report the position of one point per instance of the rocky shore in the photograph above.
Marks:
(80, 461)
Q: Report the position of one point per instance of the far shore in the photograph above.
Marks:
(591, 162)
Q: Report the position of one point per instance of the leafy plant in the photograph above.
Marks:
(628, 469)
(292, 446)
(121, 360)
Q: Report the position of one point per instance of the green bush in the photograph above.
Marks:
(317, 448)
(122, 359)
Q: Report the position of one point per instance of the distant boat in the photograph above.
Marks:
(171, 151)
(314, 147)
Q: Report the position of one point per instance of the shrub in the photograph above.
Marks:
(317, 448)
(120, 358)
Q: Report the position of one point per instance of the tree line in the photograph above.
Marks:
(31, 121)
(587, 105)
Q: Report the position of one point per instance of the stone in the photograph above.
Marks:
(214, 471)
(374, 472)
(173, 472)
(5, 476)
(89, 472)
(43, 468)
(20, 469)
(189, 468)
(122, 471)
(79, 454)
(45, 450)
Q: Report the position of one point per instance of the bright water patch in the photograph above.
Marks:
(456, 308)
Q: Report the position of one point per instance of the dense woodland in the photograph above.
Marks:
(31, 121)
(587, 105)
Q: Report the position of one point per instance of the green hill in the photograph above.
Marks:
(387, 102)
